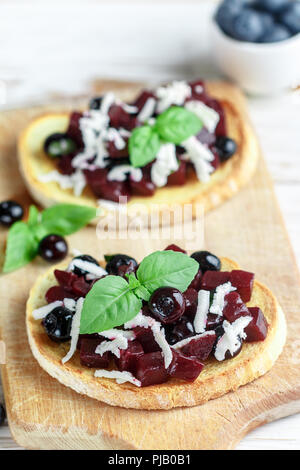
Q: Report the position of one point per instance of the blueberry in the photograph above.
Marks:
(167, 304)
(290, 17)
(207, 261)
(2, 414)
(268, 21)
(248, 26)
(53, 248)
(58, 324)
(275, 34)
(118, 260)
(95, 103)
(59, 144)
(273, 6)
(226, 13)
(10, 212)
(226, 147)
(89, 259)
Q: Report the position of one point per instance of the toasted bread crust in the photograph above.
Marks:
(216, 379)
(223, 184)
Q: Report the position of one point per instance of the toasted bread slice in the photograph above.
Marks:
(216, 379)
(223, 184)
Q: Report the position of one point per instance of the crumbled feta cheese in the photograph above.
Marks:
(186, 341)
(166, 162)
(202, 311)
(119, 340)
(200, 156)
(42, 312)
(120, 173)
(87, 266)
(75, 329)
(147, 110)
(76, 181)
(219, 298)
(207, 115)
(121, 377)
(174, 93)
(230, 341)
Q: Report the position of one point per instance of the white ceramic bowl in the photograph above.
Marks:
(258, 68)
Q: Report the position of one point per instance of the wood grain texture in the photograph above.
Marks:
(44, 414)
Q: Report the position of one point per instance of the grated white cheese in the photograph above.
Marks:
(90, 268)
(120, 172)
(202, 311)
(219, 298)
(119, 340)
(76, 181)
(115, 136)
(42, 312)
(147, 110)
(128, 108)
(107, 101)
(166, 162)
(207, 115)
(200, 156)
(121, 377)
(186, 341)
(70, 304)
(75, 329)
(174, 93)
(198, 89)
(230, 340)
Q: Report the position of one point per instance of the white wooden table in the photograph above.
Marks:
(58, 47)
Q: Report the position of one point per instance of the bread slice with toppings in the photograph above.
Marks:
(216, 379)
(227, 180)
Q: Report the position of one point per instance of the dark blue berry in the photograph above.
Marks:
(10, 212)
(89, 259)
(53, 248)
(58, 324)
(290, 17)
(118, 260)
(59, 144)
(275, 34)
(167, 304)
(273, 6)
(248, 26)
(207, 261)
(226, 147)
(95, 103)
(227, 12)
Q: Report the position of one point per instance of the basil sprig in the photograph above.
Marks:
(174, 125)
(113, 301)
(24, 237)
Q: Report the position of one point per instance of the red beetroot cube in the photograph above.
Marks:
(146, 339)
(216, 161)
(198, 88)
(102, 188)
(129, 356)
(65, 278)
(120, 118)
(257, 329)
(87, 336)
(144, 187)
(185, 368)
(196, 282)
(177, 178)
(80, 287)
(89, 358)
(243, 281)
(74, 129)
(174, 247)
(150, 369)
(212, 279)
(58, 293)
(114, 152)
(191, 302)
(213, 321)
(142, 98)
(234, 307)
(65, 164)
(200, 347)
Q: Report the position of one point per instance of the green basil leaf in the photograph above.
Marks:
(33, 216)
(167, 268)
(64, 219)
(21, 247)
(177, 124)
(144, 144)
(110, 303)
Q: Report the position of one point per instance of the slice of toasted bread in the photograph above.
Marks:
(223, 184)
(216, 379)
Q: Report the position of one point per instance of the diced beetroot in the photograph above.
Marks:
(177, 178)
(65, 278)
(243, 281)
(65, 164)
(213, 321)
(216, 161)
(206, 137)
(102, 188)
(80, 287)
(91, 336)
(257, 329)
(196, 282)
(185, 368)
(58, 293)
(198, 88)
(144, 187)
(234, 307)
(150, 369)
(142, 98)
(201, 347)
(120, 118)
(126, 269)
(89, 358)
(74, 129)
(212, 279)
(146, 338)
(129, 356)
(191, 302)
(174, 247)
(114, 152)
(217, 106)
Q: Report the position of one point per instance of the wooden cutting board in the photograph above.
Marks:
(43, 414)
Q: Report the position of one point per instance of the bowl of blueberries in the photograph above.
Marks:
(256, 43)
